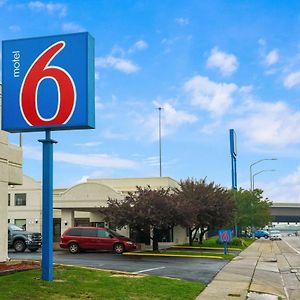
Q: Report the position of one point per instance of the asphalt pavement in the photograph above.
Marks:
(192, 269)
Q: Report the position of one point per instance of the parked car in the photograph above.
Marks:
(261, 233)
(275, 235)
(20, 239)
(95, 238)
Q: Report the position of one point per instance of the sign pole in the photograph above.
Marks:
(47, 229)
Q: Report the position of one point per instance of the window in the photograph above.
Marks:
(8, 203)
(102, 233)
(89, 232)
(20, 199)
(74, 232)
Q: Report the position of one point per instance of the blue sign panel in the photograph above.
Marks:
(224, 236)
(48, 83)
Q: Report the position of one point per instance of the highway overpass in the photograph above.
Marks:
(286, 212)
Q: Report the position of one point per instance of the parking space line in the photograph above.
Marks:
(148, 270)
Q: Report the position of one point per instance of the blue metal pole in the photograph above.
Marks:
(47, 213)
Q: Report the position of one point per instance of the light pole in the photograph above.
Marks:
(268, 170)
(159, 136)
(256, 162)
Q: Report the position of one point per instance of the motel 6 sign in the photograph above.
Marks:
(48, 83)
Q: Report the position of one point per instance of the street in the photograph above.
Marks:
(192, 269)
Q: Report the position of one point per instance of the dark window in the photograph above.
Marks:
(20, 199)
(103, 233)
(74, 232)
(90, 232)
(8, 203)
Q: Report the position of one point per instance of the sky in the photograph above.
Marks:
(211, 66)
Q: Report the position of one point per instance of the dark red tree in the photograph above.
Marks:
(143, 209)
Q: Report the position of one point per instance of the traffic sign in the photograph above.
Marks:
(48, 83)
(225, 236)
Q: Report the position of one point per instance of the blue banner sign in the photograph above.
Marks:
(224, 236)
(48, 83)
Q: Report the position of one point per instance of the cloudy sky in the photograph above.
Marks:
(211, 65)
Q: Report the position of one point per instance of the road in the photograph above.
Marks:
(192, 269)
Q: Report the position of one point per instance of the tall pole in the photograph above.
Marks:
(47, 226)
(269, 170)
(159, 136)
(251, 176)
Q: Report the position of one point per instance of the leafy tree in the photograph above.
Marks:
(252, 210)
(203, 206)
(142, 209)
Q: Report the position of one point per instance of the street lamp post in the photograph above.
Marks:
(159, 136)
(256, 162)
(268, 170)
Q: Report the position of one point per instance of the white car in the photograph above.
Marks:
(275, 235)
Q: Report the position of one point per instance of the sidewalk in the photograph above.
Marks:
(256, 270)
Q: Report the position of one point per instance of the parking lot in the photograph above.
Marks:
(192, 269)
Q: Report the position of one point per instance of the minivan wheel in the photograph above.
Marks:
(73, 248)
(19, 246)
(266, 236)
(119, 248)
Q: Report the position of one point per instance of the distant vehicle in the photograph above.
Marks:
(261, 233)
(275, 235)
(20, 239)
(95, 238)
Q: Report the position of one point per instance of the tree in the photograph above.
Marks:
(203, 206)
(142, 209)
(252, 209)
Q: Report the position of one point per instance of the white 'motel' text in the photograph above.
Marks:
(16, 61)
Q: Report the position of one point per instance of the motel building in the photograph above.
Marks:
(10, 174)
(79, 205)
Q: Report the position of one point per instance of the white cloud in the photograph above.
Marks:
(72, 27)
(89, 144)
(182, 21)
(292, 80)
(224, 62)
(171, 119)
(50, 7)
(138, 46)
(285, 189)
(211, 96)
(269, 124)
(98, 104)
(120, 64)
(97, 75)
(108, 134)
(272, 57)
(95, 174)
(14, 28)
(90, 160)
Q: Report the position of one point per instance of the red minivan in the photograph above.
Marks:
(95, 238)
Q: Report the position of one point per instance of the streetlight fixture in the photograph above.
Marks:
(268, 170)
(256, 162)
(159, 135)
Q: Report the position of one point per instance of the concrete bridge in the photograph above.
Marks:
(286, 212)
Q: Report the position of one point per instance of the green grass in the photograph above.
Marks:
(77, 283)
(240, 243)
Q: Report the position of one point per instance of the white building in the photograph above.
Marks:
(79, 204)
(10, 173)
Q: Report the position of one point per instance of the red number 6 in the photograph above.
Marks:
(39, 71)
